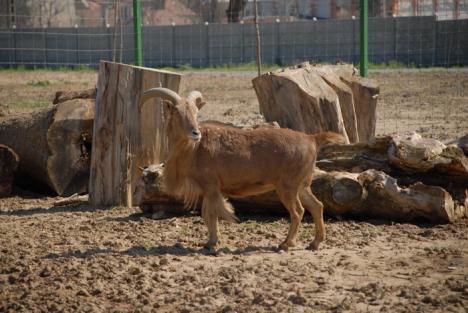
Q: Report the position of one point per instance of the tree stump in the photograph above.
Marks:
(53, 145)
(125, 134)
(9, 161)
(314, 98)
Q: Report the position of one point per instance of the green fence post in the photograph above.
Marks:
(137, 32)
(364, 62)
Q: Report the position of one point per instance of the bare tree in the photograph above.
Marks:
(50, 10)
(234, 9)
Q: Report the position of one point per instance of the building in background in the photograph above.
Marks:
(101, 13)
(287, 10)
(37, 13)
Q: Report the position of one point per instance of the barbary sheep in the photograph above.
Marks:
(216, 160)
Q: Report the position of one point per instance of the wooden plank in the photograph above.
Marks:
(125, 135)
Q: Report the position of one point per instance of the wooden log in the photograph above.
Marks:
(53, 145)
(368, 194)
(461, 143)
(62, 96)
(356, 157)
(299, 99)
(125, 134)
(315, 98)
(73, 199)
(345, 96)
(365, 94)
(9, 161)
(409, 159)
(375, 194)
(417, 154)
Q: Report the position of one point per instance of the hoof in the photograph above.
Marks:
(211, 246)
(313, 246)
(210, 250)
(285, 246)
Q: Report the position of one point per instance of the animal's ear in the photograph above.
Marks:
(168, 106)
(200, 104)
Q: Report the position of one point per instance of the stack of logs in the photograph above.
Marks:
(393, 178)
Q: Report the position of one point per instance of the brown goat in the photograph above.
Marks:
(216, 160)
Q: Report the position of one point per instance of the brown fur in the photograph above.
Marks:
(242, 162)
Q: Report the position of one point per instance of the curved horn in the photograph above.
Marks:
(160, 92)
(196, 98)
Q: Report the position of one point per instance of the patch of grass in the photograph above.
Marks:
(22, 68)
(29, 104)
(251, 224)
(38, 83)
(249, 67)
(275, 225)
(391, 65)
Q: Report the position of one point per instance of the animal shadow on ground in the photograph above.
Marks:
(52, 210)
(176, 250)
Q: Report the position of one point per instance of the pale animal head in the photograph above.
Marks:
(183, 111)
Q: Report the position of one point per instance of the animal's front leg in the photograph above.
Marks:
(210, 216)
(291, 201)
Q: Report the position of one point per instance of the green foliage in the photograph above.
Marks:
(248, 67)
(28, 104)
(38, 83)
(22, 68)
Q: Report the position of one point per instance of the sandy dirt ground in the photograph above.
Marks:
(75, 259)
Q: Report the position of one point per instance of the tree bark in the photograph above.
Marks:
(9, 161)
(53, 145)
(125, 135)
(314, 98)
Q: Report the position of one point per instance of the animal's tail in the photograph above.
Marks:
(222, 209)
(328, 137)
(226, 212)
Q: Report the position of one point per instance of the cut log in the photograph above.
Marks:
(62, 96)
(9, 161)
(300, 100)
(356, 157)
(417, 154)
(314, 98)
(125, 134)
(345, 96)
(74, 199)
(368, 194)
(408, 159)
(375, 194)
(53, 145)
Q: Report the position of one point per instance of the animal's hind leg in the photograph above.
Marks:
(291, 201)
(210, 216)
(315, 207)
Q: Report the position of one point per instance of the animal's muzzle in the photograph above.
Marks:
(195, 135)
